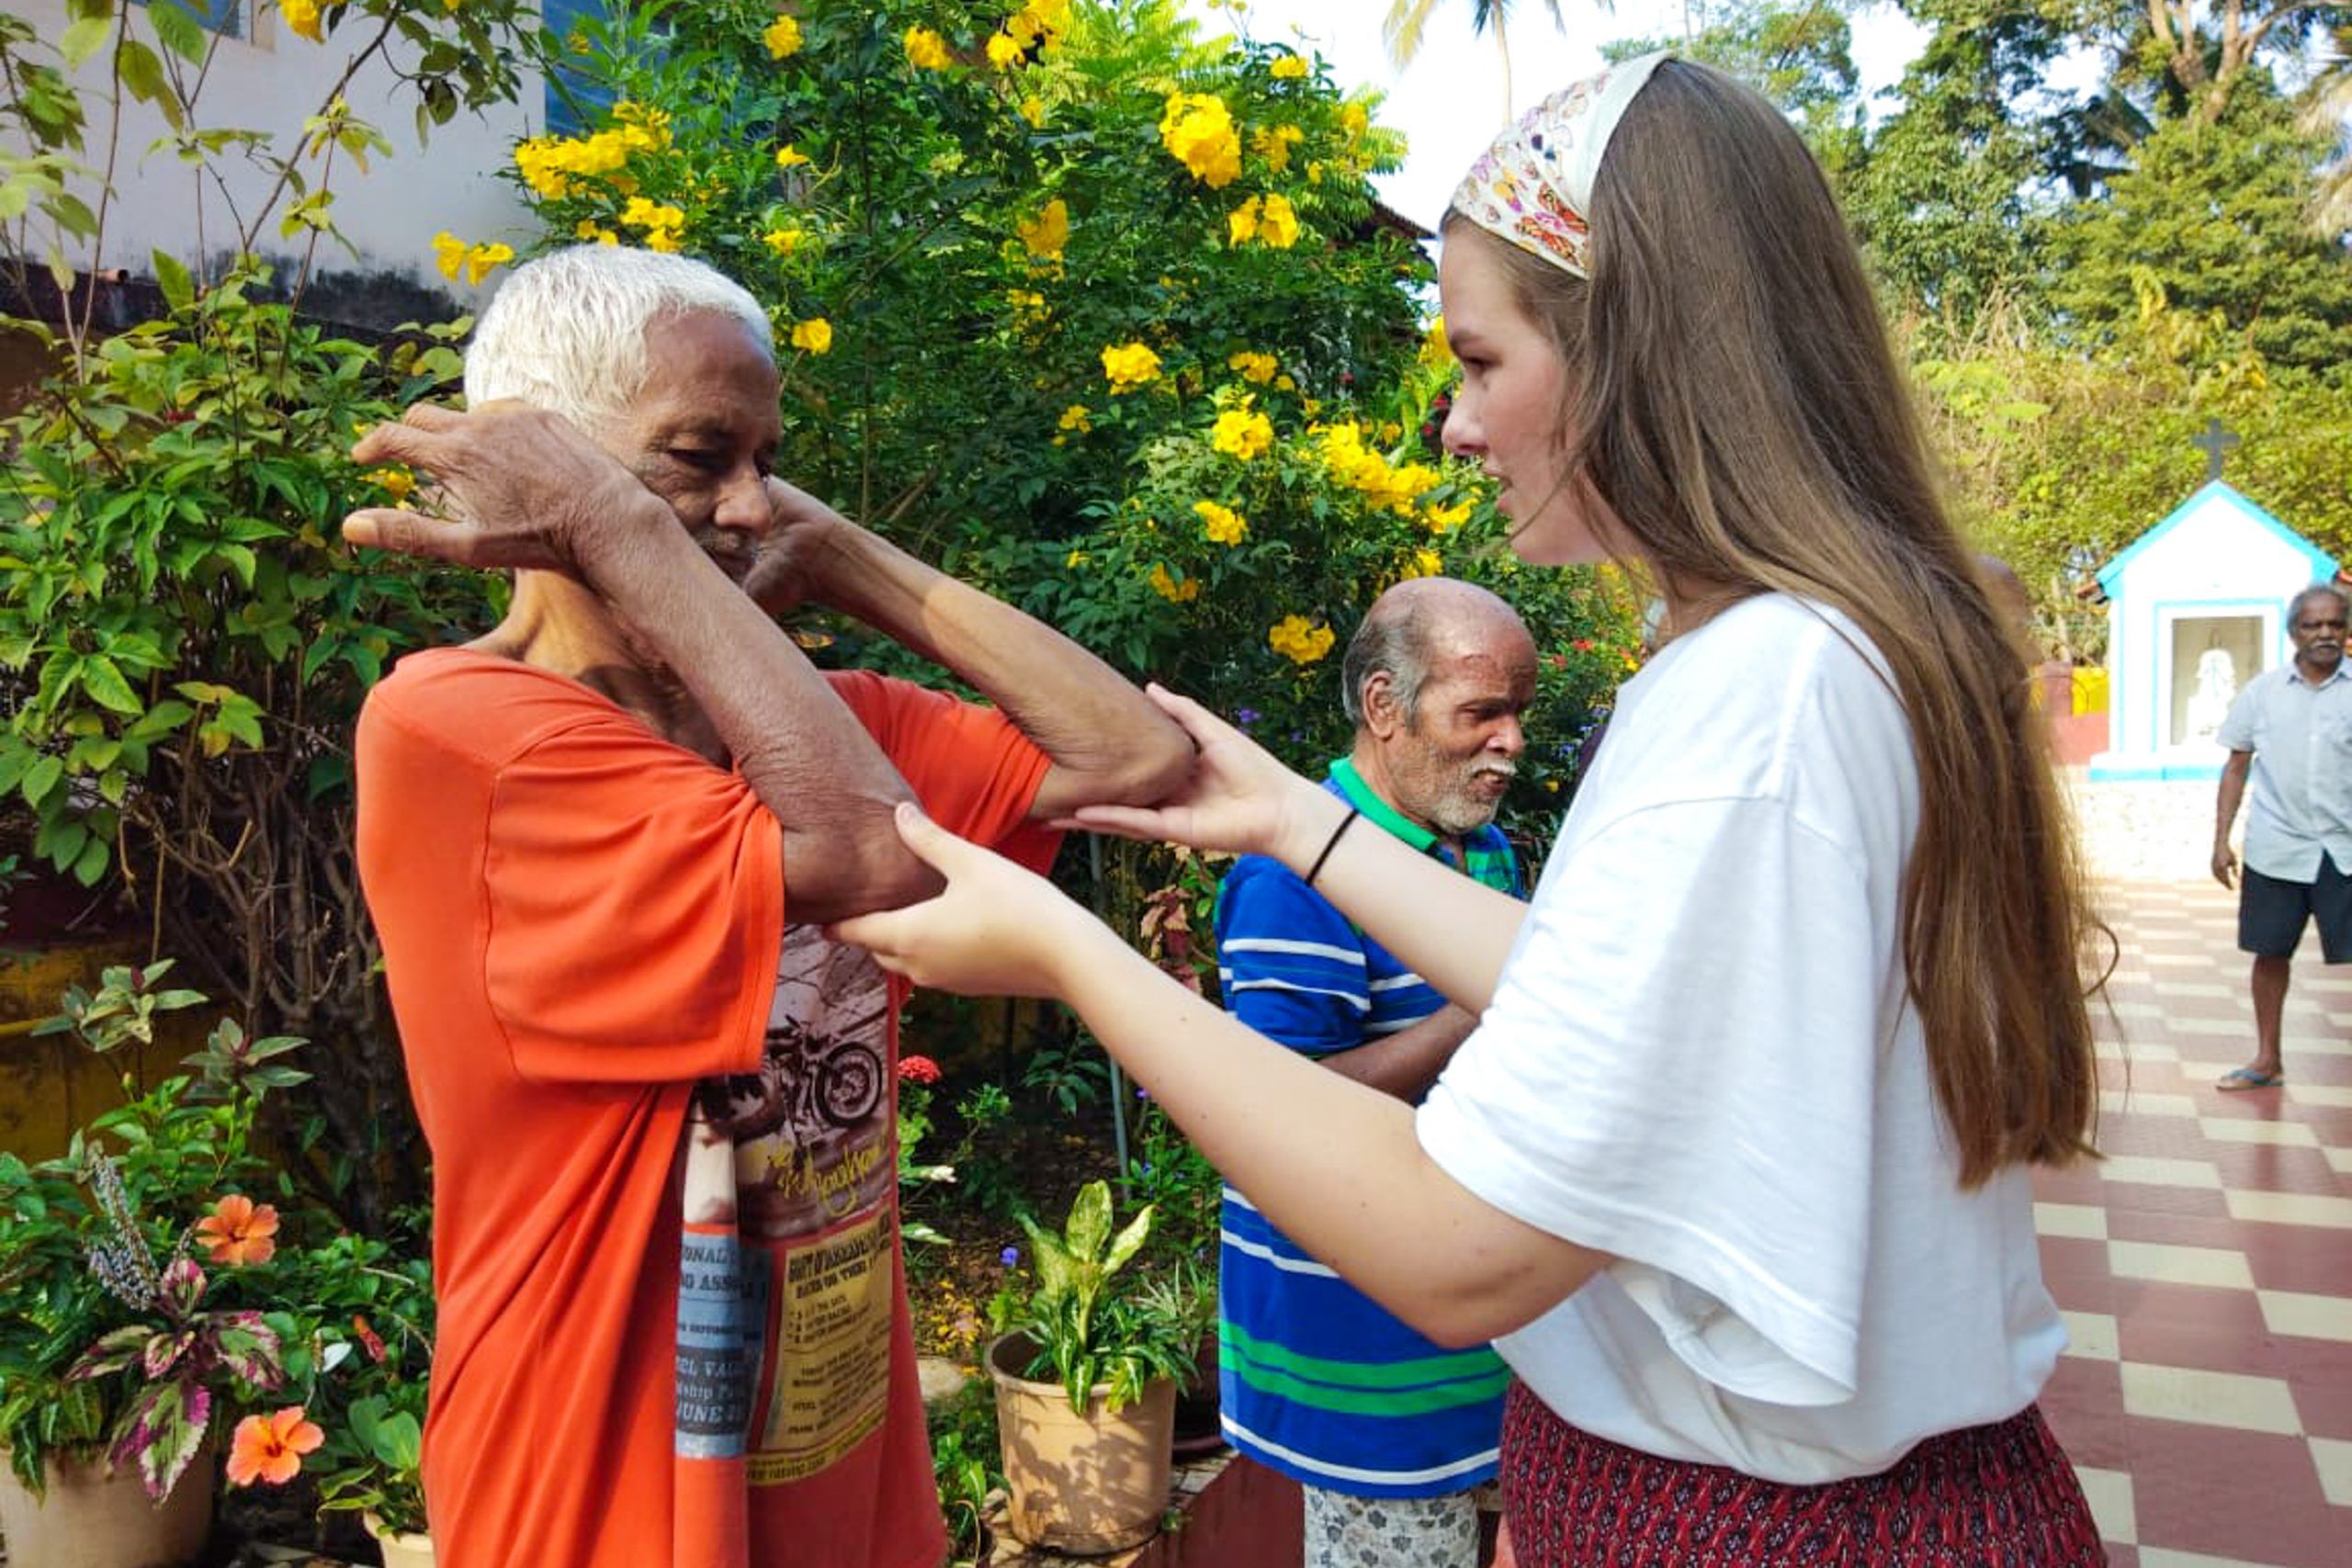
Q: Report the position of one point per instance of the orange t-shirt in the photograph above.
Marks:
(672, 1315)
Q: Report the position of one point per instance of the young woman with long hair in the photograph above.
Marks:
(1735, 1168)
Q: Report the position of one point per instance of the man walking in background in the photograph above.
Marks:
(2289, 732)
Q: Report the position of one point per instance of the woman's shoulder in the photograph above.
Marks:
(1769, 695)
(1772, 657)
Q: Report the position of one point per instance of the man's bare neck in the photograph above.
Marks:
(556, 625)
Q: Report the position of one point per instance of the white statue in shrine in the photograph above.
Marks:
(2217, 685)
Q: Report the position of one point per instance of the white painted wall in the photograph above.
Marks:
(272, 80)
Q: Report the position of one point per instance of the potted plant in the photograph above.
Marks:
(1085, 1374)
(359, 1327)
(119, 1350)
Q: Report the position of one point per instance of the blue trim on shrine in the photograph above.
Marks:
(2102, 772)
(2322, 564)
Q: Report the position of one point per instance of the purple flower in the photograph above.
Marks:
(1142, 1093)
(1246, 717)
(1009, 1257)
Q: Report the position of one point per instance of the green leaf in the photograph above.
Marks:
(1124, 1246)
(83, 39)
(179, 290)
(71, 214)
(103, 679)
(113, 1351)
(164, 718)
(41, 778)
(249, 1347)
(244, 723)
(161, 1432)
(178, 30)
(1090, 1221)
(142, 73)
(91, 863)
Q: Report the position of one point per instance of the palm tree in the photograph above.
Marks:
(1408, 19)
(2329, 107)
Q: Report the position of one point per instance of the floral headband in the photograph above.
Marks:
(1533, 186)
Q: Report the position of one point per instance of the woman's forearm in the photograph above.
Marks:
(1451, 929)
(1337, 1168)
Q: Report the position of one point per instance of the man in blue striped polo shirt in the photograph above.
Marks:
(1388, 1433)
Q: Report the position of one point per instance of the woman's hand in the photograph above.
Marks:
(1239, 800)
(998, 930)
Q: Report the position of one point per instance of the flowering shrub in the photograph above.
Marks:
(113, 1337)
(179, 1353)
(183, 642)
(1112, 326)
(358, 1318)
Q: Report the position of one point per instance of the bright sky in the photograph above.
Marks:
(1449, 101)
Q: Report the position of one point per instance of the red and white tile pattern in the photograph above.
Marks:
(2205, 1268)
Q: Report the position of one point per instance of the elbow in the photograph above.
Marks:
(836, 875)
(1454, 1331)
(1463, 1321)
(1151, 770)
(1477, 1308)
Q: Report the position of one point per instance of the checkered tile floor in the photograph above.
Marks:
(2205, 1269)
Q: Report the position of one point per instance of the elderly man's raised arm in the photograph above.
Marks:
(536, 495)
(1109, 744)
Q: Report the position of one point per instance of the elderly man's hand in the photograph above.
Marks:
(527, 488)
(2226, 865)
(790, 568)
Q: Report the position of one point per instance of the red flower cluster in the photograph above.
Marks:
(918, 1069)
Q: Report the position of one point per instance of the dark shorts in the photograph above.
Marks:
(2271, 913)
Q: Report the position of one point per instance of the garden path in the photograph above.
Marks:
(2205, 1268)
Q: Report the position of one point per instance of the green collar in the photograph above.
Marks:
(1361, 796)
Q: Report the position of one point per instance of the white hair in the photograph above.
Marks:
(566, 332)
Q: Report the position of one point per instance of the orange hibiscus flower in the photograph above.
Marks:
(238, 1230)
(270, 1447)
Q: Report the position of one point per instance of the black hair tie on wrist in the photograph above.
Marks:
(1331, 843)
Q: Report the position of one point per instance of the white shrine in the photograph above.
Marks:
(2197, 606)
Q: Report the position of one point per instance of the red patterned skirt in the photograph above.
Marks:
(1996, 1496)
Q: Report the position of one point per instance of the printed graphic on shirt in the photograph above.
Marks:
(722, 1302)
(831, 1376)
(814, 1170)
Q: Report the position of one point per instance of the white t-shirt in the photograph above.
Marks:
(2301, 803)
(1700, 1060)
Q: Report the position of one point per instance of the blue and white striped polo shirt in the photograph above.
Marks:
(1315, 1380)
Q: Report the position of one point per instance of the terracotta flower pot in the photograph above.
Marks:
(400, 1550)
(90, 1518)
(1087, 1483)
